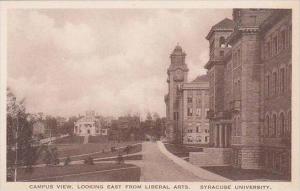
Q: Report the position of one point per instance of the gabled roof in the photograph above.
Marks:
(226, 24)
(201, 78)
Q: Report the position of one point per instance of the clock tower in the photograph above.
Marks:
(177, 75)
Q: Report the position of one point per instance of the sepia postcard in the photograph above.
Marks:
(149, 95)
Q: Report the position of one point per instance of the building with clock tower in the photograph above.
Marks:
(184, 103)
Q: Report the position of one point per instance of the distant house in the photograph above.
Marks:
(89, 125)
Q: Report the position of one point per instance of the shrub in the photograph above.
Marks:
(89, 160)
(120, 159)
(113, 149)
(127, 149)
(67, 161)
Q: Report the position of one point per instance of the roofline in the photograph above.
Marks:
(218, 30)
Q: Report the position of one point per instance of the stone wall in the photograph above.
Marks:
(211, 157)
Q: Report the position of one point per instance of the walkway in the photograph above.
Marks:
(156, 166)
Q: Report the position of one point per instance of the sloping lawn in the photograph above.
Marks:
(82, 172)
(70, 140)
(94, 150)
(182, 150)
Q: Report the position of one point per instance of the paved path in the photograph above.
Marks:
(156, 167)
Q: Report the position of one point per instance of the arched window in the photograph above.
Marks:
(282, 125)
(267, 86)
(282, 80)
(274, 125)
(275, 83)
(238, 127)
(234, 128)
(267, 126)
(222, 42)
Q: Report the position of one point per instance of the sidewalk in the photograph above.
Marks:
(195, 170)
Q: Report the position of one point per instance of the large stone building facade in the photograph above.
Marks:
(186, 103)
(249, 71)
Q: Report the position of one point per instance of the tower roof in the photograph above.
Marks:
(178, 50)
(224, 25)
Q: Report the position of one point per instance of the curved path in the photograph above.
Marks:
(156, 167)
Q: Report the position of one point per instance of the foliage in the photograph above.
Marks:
(48, 154)
(20, 148)
(127, 149)
(67, 161)
(89, 160)
(120, 159)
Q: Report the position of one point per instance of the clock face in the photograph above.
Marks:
(178, 75)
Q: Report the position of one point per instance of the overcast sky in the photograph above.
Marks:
(113, 61)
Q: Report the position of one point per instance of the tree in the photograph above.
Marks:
(155, 116)
(68, 127)
(149, 117)
(20, 150)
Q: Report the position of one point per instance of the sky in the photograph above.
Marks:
(114, 61)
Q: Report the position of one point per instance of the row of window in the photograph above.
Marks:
(190, 139)
(279, 41)
(197, 130)
(198, 111)
(277, 82)
(277, 125)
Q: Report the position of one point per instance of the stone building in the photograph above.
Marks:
(249, 71)
(186, 103)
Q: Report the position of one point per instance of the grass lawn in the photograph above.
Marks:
(82, 172)
(181, 150)
(72, 150)
(70, 139)
(243, 174)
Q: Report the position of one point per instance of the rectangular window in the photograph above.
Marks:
(205, 112)
(190, 100)
(189, 111)
(175, 115)
(198, 111)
